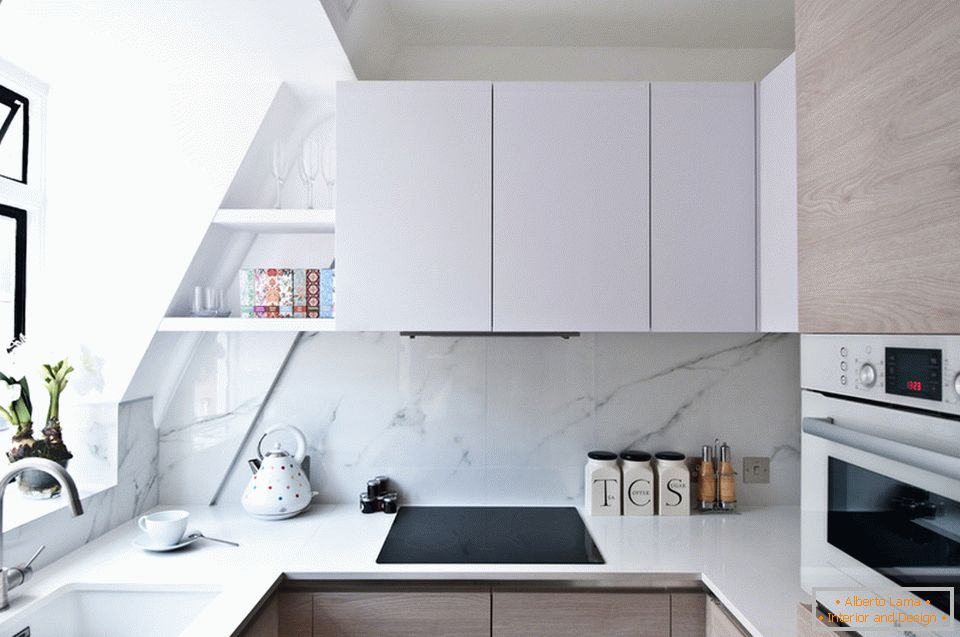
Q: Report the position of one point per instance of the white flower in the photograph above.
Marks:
(9, 394)
(22, 361)
(89, 371)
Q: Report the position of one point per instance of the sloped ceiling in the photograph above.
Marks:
(595, 23)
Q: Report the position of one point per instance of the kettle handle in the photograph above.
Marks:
(301, 451)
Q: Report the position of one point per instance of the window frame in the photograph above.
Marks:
(11, 98)
(19, 216)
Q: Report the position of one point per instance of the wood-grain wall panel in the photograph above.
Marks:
(878, 92)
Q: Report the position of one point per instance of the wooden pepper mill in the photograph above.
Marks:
(707, 486)
(728, 480)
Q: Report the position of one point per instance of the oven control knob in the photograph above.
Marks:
(868, 375)
(956, 383)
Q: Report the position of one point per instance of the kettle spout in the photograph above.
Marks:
(254, 465)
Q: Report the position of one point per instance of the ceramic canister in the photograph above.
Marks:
(637, 483)
(672, 484)
(602, 483)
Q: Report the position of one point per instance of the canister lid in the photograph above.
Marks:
(633, 455)
(601, 455)
(670, 455)
(389, 502)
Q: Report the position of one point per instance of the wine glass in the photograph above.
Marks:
(310, 164)
(328, 167)
(279, 168)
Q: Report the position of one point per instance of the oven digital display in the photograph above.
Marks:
(914, 372)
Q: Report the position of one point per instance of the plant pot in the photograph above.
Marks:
(38, 485)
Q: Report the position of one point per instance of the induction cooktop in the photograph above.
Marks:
(489, 535)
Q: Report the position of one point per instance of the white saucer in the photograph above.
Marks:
(143, 542)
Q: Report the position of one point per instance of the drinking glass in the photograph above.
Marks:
(310, 164)
(208, 301)
(328, 167)
(279, 168)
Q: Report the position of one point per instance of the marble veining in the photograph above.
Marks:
(219, 395)
(135, 492)
(485, 420)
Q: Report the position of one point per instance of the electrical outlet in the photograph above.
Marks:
(756, 470)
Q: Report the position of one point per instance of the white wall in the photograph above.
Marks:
(580, 63)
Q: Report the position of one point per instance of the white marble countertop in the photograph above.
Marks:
(751, 561)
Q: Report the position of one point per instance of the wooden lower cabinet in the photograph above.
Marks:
(688, 614)
(553, 614)
(265, 623)
(720, 623)
(416, 614)
(295, 614)
(807, 628)
(485, 610)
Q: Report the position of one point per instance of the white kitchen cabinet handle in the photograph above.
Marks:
(943, 464)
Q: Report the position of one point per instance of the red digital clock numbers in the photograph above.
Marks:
(914, 385)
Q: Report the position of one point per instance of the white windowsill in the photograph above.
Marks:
(19, 510)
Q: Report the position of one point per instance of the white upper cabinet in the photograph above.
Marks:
(703, 207)
(414, 206)
(571, 206)
(777, 197)
(576, 206)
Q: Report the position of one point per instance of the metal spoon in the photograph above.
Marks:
(197, 535)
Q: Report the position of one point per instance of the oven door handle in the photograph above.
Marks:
(939, 463)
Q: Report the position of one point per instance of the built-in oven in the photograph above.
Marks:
(881, 473)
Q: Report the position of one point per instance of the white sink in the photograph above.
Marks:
(109, 610)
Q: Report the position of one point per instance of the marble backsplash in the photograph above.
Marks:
(119, 441)
(502, 420)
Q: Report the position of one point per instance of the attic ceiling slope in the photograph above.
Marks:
(592, 23)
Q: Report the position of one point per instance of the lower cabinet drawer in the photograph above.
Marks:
(401, 614)
(807, 628)
(499, 609)
(688, 615)
(559, 614)
(720, 623)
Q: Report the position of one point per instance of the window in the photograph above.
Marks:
(20, 202)
(14, 135)
(13, 273)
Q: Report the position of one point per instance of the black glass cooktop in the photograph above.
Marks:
(489, 535)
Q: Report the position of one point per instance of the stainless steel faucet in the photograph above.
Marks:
(11, 577)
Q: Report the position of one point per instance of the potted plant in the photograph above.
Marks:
(15, 394)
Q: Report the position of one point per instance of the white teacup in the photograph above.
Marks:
(165, 528)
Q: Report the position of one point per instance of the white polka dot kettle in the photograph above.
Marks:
(279, 489)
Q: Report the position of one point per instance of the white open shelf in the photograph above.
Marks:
(247, 233)
(285, 221)
(202, 324)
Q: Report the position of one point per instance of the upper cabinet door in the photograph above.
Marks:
(413, 210)
(777, 197)
(571, 206)
(703, 207)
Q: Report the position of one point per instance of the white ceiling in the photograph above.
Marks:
(597, 23)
